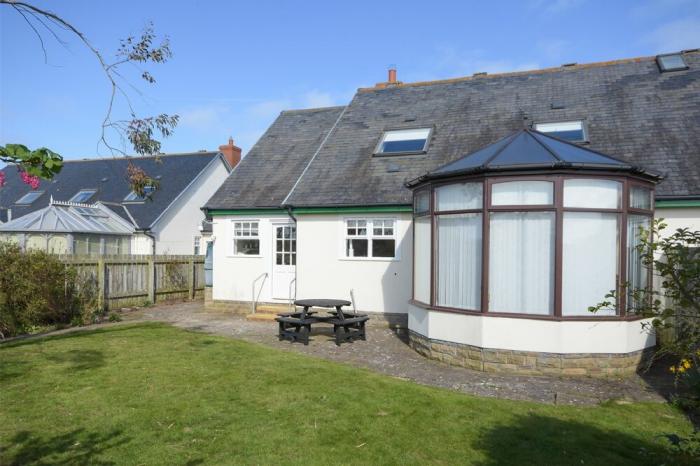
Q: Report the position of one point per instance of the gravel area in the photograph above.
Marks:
(386, 351)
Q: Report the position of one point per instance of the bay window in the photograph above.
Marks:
(543, 245)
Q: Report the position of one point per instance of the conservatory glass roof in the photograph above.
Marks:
(529, 149)
(70, 217)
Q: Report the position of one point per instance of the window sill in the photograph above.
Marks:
(398, 154)
(370, 259)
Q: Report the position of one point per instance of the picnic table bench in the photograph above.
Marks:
(296, 326)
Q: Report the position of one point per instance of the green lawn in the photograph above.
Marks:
(154, 394)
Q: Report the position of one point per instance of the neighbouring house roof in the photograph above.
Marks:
(107, 176)
(528, 149)
(70, 217)
(631, 111)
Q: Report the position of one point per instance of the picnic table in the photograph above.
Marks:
(296, 326)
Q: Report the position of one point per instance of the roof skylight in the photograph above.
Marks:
(29, 198)
(671, 62)
(403, 141)
(83, 195)
(133, 197)
(573, 131)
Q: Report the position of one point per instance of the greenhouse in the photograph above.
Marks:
(71, 228)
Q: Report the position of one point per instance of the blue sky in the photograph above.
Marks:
(236, 65)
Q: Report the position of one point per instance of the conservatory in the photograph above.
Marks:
(71, 228)
(513, 244)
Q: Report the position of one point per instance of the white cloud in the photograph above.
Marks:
(450, 61)
(675, 35)
(315, 98)
(269, 108)
(203, 118)
(555, 6)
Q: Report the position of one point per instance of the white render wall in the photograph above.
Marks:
(233, 276)
(176, 229)
(545, 336)
(687, 217)
(380, 285)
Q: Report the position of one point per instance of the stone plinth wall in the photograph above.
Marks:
(530, 363)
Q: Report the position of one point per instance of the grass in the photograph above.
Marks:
(154, 394)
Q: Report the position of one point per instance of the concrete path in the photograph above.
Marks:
(386, 352)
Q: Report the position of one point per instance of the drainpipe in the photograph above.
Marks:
(288, 208)
(153, 241)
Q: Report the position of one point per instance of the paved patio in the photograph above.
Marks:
(386, 352)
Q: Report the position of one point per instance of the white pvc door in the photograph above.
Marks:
(284, 261)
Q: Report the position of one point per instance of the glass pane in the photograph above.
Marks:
(637, 273)
(247, 247)
(35, 242)
(287, 260)
(640, 198)
(410, 140)
(94, 245)
(279, 245)
(278, 232)
(422, 202)
(567, 130)
(383, 248)
(459, 196)
(589, 262)
(421, 258)
(522, 193)
(459, 261)
(602, 194)
(294, 259)
(58, 245)
(356, 248)
(278, 258)
(521, 269)
(377, 231)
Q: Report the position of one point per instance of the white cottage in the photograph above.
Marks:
(528, 190)
(165, 221)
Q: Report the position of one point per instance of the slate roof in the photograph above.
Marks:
(108, 176)
(264, 177)
(631, 112)
(527, 149)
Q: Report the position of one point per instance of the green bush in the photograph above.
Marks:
(37, 290)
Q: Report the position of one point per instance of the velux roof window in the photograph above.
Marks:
(83, 195)
(573, 131)
(403, 141)
(671, 62)
(29, 198)
(133, 197)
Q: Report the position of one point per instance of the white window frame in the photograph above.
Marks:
(86, 190)
(370, 236)
(232, 243)
(20, 202)
(197, 243)
(387, 133)
(544, 124)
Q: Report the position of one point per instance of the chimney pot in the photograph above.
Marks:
(231, 152)
(392, 75)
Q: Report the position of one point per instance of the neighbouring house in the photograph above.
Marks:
(89, 208)
(484, 213)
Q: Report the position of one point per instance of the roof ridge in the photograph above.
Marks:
(314, 109)
(546, 147)
(521, 73)
(139, 157)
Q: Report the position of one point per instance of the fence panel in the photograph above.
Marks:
(123, 281)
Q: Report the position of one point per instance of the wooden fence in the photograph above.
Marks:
(123, 281)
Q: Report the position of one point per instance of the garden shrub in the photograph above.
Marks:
(38, 290)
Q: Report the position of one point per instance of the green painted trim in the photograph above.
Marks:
(680, 203)
(215, 213)
(317, 210)
(353, 210)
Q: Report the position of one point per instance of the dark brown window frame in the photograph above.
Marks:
(557, 177)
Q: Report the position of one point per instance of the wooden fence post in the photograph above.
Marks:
(151, 273)
(101, 285)
(191, 278)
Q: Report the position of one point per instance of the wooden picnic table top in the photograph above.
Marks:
(322, 302)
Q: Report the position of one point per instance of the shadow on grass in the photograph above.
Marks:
(79, 360)
(76, 447)
(78, 332)
(535, 439)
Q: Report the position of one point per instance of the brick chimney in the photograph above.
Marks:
(391, 79)
(232, 153)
